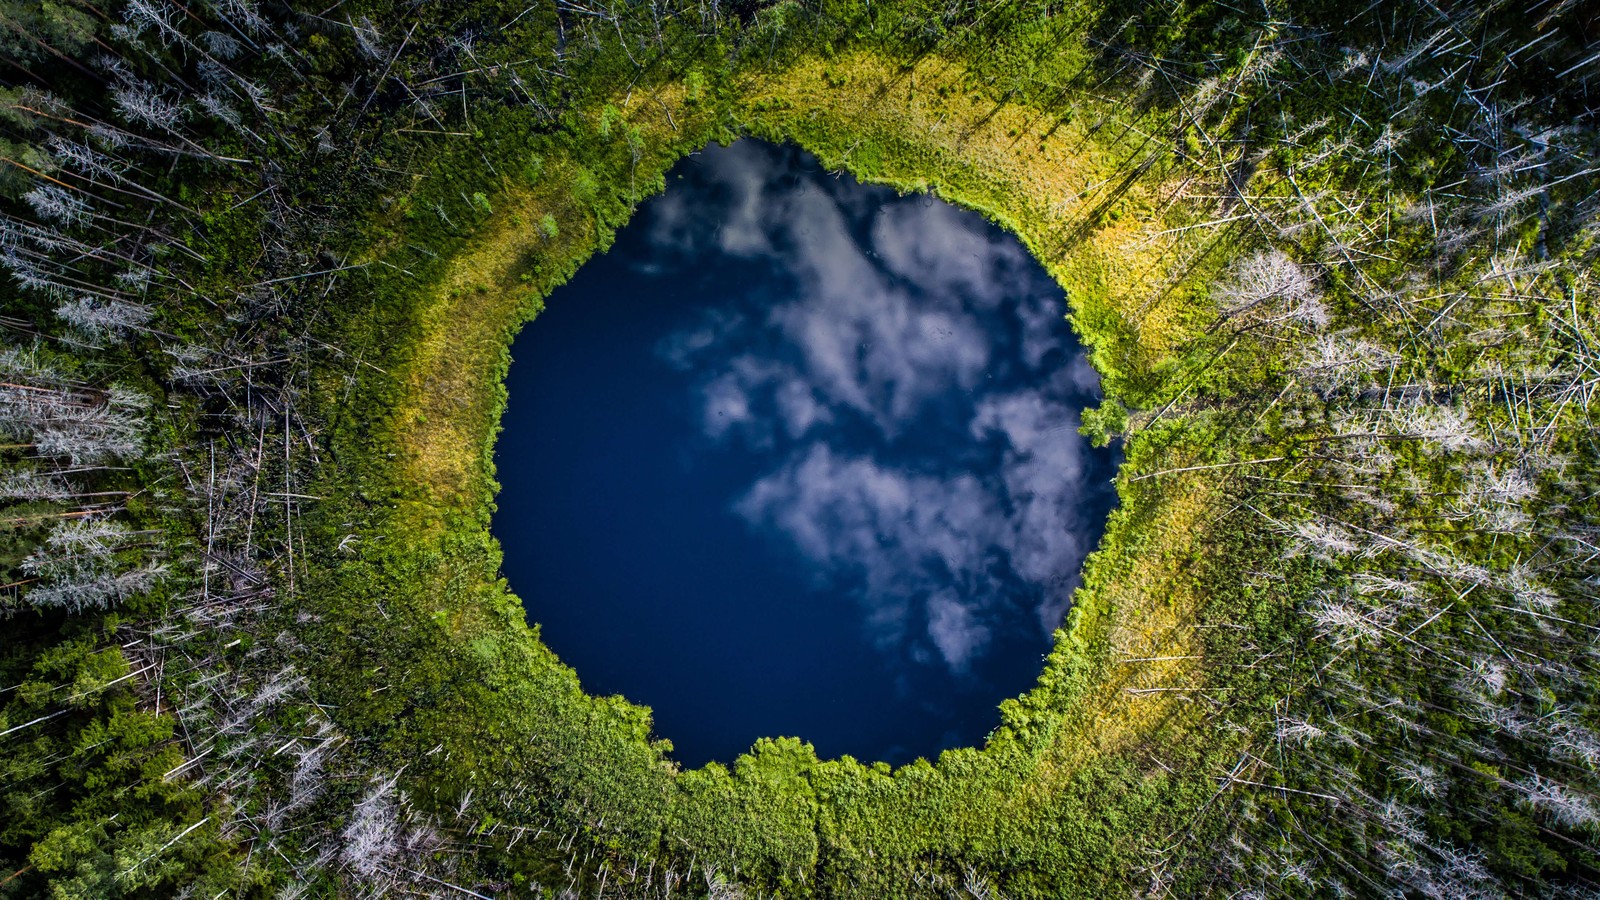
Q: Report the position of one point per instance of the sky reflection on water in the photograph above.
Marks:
(800, 456)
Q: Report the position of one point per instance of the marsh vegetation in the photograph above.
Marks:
(1332, 266)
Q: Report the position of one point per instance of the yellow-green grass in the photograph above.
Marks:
(451, 382)
(1118, 246)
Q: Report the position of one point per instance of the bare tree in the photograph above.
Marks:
(78, 569)
(1269, 287)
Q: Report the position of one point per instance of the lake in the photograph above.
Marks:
(800, 456)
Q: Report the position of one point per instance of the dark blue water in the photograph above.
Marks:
(799, 456)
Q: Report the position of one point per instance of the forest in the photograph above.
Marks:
(1336, 266)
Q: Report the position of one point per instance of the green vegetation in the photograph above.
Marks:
(1335, 267)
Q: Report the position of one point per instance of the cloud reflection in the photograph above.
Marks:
(920, 389)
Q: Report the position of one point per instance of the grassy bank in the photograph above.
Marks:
(1335, 267)
(1107, 745)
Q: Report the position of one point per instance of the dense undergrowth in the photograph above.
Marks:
(1335, 268)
